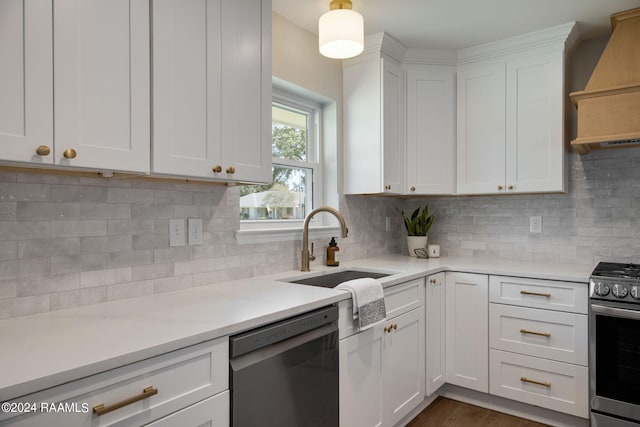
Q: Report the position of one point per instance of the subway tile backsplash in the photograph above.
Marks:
(68, 241)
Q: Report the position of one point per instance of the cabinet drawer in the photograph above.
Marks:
(213, 411)
(554, 385)
(542, 333)
(182, 378)
(549, 294)
(398, 299)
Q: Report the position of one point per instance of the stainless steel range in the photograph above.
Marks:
(614, 345)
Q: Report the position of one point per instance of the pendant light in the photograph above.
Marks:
(341, 31)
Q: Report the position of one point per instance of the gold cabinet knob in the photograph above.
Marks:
(500, 187)
(43, 150)
(510, 187)
(70, 153)
(387, 187)
(217, 168)
(432, 281)
(413, 188)
(231, 170)
(394, 326)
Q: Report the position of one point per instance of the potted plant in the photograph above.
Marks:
(417, 226)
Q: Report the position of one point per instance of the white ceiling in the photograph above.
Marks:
(454, 24)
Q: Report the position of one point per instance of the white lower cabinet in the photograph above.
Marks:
(539, 343)
(547, 383)
(187, 386)
(435, 356)
(467, 326)
(382, 371)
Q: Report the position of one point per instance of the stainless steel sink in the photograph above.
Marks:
(332, 280)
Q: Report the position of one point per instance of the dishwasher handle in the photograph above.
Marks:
(262, 354)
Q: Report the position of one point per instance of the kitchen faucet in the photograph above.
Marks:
(306, 257)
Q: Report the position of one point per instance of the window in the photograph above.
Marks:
(295, 188)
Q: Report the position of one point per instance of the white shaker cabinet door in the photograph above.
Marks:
(101, 68)
(481, 129)
(186, 88)
(467, 317)
(246, 90)
(361, 389)
(535, 149)
(26, 83)
(431, 144)
(435, 355)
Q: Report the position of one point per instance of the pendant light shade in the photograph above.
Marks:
(341, 31)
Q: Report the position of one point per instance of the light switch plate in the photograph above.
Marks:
(176, 232)
(195, 231)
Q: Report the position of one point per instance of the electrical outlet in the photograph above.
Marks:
(195, 231)
(535, 224)
(176, 232)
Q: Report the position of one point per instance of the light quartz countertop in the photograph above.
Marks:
(45, 350)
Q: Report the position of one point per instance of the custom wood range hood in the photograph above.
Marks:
(609, 106)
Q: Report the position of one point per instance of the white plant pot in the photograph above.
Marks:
(414, 242)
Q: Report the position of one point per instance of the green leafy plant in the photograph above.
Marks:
(419, 223)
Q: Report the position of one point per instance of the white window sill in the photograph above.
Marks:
(285, 234)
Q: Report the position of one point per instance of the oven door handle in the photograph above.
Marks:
(616, 312)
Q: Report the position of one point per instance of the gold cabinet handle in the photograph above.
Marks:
(231, 170)
(217, 168)
(527, 380)
(387, 187)
(500, 187)
(432, 281)
(542, 334)
(413, 189)
(70, 153)
(510, 187)
(535, 294)
(390, 328)
(43, 150)
(146, 393)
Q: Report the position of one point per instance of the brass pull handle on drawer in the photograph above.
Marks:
(217, 169)
(146, 393)
(388, 329)
(70, 153)
(535, 294)
(542, 334)
(43, 150)
(231, 170)
(527, 380)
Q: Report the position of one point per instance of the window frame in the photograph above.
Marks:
(255, 231)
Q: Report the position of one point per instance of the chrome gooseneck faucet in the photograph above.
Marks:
(306, 256)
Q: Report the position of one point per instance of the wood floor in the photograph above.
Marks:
(450, 413)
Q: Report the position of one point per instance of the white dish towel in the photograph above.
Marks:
(368, 301)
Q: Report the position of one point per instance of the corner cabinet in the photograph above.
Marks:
(510, 112)
(382, 368)
(94, 56)
(374, 156)
(212, 89)
(431, 141)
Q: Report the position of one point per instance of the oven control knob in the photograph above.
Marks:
(601, 289)
(635, 292)
(620, 291)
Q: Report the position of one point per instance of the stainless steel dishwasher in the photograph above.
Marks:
(286, 374)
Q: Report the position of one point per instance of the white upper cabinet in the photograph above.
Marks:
(101, 84)
(212, 89)
(430, 130)
(510, 114)
(94, 55)
(481, 128)
(26, 86)
(373, 125)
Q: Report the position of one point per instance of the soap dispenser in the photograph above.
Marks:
(332, 253)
